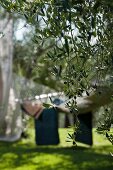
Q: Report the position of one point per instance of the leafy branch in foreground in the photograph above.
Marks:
(83, 36)
(105, 124)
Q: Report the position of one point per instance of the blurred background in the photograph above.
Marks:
(25, 74)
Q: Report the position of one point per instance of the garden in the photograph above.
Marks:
(26, 155)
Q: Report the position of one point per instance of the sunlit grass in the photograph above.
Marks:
(25, 155)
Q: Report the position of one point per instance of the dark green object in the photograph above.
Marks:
(84, 135)
(46, 128)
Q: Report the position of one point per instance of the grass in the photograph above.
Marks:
(25, 155)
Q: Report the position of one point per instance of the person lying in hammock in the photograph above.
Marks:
(102, 96)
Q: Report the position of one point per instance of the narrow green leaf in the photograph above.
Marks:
(66, 45)
(47, 105)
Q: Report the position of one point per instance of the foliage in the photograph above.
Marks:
(28, 63)
(105, 124)
(83, 38)
(82, 33)
(74, 26)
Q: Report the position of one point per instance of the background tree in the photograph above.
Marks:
(28, 62)
(10, 115)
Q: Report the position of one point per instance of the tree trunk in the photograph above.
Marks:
(9, 119)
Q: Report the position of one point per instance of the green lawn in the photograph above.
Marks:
(25, 155)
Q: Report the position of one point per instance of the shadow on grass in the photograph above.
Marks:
(55, 157)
